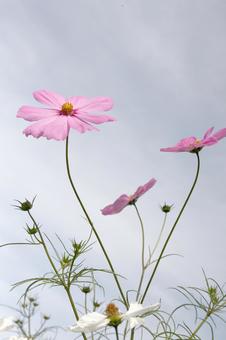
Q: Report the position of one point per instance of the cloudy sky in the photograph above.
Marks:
(163, 63)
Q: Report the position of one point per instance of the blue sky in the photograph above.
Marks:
(163, 63)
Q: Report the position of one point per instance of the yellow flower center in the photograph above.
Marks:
(67, 108)
(198, 141)
(112, 309)
(113, 314)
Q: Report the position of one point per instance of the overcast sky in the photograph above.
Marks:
(164, 64)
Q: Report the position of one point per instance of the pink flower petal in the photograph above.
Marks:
(80, 125)
(78, 101)
(144, 188)
(34, 113)
(194, 144)
(185, 144)
(52, 128)
(96, 119)
(208, 133)
(209, 141)
(50, 98)
(172, 149)
(117, 206)
(220, 134)
(96, 104)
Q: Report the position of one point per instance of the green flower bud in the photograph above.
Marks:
(65, 261)
(86, 289)
(31, 230)
(31, 299)
(46, 317)
(213, 295)
(96, 304)
(166, 208)
(26, 205)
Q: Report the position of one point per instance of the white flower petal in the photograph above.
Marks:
(133, 322)
(6, 323)
(90, 322)
(136, 309)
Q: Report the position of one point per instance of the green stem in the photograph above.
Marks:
(142, 252)
(56, 271)
(173, 227)
(160, 235)
(29, 320)
(116, 333)
(92, 226)
(85, 303)
(199, 326)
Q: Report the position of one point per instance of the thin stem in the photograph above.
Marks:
(56, 271)
(29, 320)
(160, 235)
(199, 326)
(92, 226)
(116, 333)
(85, 305)
(142, 252)
(22, 330)
(173, 227)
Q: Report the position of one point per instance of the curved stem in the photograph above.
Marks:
(42, 241)
(173, 227)
(92, 226)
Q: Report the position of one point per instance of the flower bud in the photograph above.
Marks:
(26, 205)
(96, 304)
(166, 208)
(19, 322)
(31, 299)
(213, 295)
(65, 261)
(86, 289)
(76, 246)
(31, 230)
(113, 315)
(46, 317)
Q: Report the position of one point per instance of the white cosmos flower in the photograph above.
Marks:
(92, 322)
(6, 323)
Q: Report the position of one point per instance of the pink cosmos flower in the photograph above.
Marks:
(192, 144)
(62, 114)
(125, 200)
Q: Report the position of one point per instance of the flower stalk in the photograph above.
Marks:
(92, 226)
(173, 228)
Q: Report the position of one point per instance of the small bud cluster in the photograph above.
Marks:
(213, 295)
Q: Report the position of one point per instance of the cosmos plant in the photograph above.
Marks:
(136, 313)
(21, 324)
